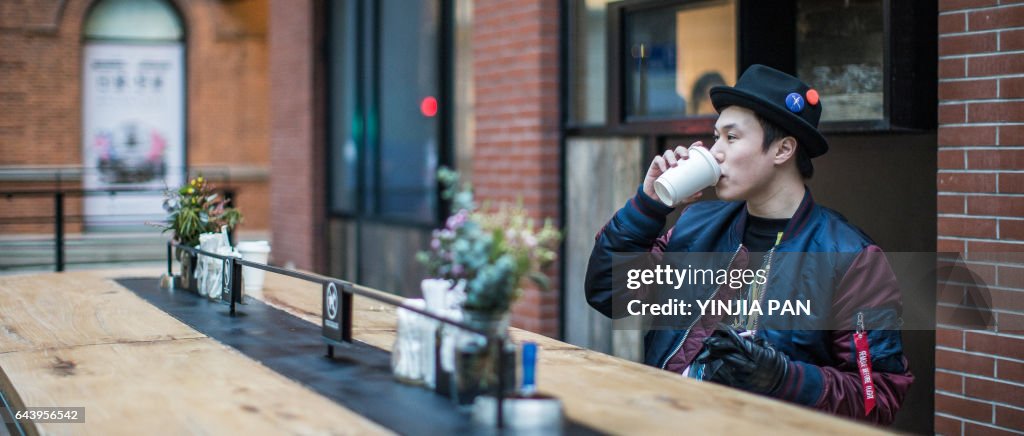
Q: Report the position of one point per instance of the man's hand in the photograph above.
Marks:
(662, 163)
(748, 364)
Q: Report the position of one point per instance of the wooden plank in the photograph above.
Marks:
(604, 174)
(604, 392)
(77, 308)
(622, 397)
(79, 340)
(182, 386)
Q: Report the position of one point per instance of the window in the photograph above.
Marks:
(133, 20)
(385, 109)
(839, 49)
(871, 60)
(675, 55)
(588, 76)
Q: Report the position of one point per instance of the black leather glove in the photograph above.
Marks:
(748, 364)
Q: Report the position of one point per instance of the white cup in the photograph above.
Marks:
(697, 172)
(253, 251)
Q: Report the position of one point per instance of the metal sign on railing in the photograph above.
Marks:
(336, 326)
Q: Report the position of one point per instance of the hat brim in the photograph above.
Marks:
(808, 136)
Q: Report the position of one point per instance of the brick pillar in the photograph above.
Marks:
(516, 156)
(979, 378)
(297, 195)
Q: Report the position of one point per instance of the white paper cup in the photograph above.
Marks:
(253, 251)
(697, 172)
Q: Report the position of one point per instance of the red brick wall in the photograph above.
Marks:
(40, 92)
(515, 69)
(296, 145)
(980, 373)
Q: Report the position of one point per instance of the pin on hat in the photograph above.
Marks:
(794, 102)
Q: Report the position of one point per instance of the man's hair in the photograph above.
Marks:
(772, 132)
(704, 83)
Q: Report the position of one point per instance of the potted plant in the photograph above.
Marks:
(193, 209)
(494, 250)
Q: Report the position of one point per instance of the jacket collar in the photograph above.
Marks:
(797, 224)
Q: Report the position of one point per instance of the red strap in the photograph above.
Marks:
(860, 340)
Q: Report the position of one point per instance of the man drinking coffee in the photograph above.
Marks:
(848, 361)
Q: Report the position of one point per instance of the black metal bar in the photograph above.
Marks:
(346, 313)
(236, 284)
(14, 426)
(500, 395)
(229, 196)
(170, 260)
(362, 291)
(49, 192)
(58, 230)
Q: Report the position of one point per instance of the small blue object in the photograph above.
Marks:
(529, 368)
(795, 102)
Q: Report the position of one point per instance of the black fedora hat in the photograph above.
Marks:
(780, 98)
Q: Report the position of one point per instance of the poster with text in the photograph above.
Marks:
(133, 129)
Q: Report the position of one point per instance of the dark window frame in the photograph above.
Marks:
(767, 35)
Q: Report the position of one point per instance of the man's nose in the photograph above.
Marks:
(719, 156)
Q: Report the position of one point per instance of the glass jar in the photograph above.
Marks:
(476, 360)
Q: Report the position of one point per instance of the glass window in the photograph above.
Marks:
(134, 20)
(588, 65)
(465, 109)
(839, 51)
(384, 108)
(409, 100)
(344, 126)
(674, 55)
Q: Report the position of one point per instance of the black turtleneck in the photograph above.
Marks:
(761, 233)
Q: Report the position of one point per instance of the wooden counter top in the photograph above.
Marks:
(79, 339)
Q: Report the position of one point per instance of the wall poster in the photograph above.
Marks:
(133, 128)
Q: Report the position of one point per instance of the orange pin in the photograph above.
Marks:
(812, 96)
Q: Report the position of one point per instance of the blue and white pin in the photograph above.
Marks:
(795, 102)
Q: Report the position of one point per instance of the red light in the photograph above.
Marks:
(429, 106)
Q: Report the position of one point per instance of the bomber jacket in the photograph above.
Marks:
(821, 257)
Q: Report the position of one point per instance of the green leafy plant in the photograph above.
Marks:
(197, 208)
(492, 248)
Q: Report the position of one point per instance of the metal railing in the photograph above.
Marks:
(232, 289)
(60, 218)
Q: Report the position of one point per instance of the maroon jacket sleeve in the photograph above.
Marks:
(869, 289)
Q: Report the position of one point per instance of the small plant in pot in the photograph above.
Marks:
(193, 209)
(495, 250)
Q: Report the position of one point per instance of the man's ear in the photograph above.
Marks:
(786, 150)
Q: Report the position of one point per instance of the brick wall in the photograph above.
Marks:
(516, 156)
(980, 373)
(40, 92)
(296, 145)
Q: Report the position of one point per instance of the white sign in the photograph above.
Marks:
(133, 127)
